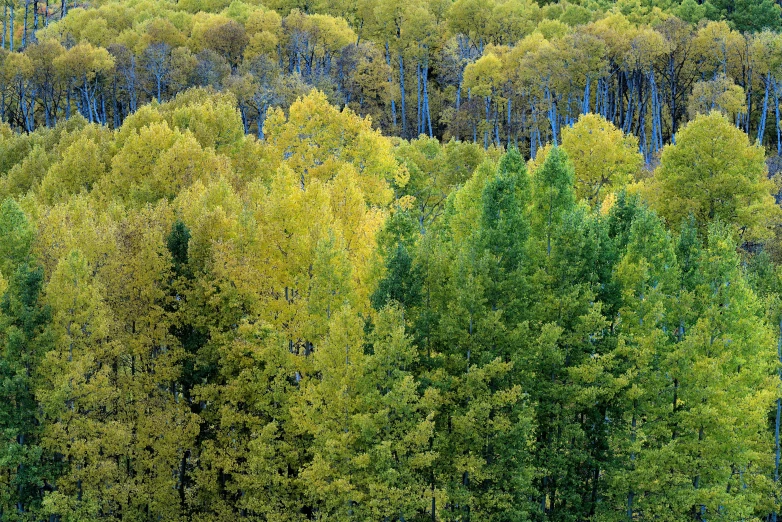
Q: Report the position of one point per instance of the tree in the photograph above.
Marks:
(228, 40)
(244, 466)
(467, 323)
(567, 339)
(648, 280)
(553, 194)
(17, 235)
(80, 325)
(371, 428)
(26, 470)
(81, 165)
(748, 15)
(503, 232)
(485, 77)
(401, 282)
(85, 66)
(719, 94)
(109, 386)
(156, 59)
(333, 137)
(721, 369)
(434, 170)
(602, 155)
(713, 172)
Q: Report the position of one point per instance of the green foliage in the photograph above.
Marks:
(25, 338)
(747, 15)
(714, 173)
(553, 193)
(17, 234)
(330, 324)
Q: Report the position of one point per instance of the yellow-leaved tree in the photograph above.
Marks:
(713, 172)
(605, 158)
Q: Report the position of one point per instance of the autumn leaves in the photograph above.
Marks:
(197, 324)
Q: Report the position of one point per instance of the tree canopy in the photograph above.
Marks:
(396, 261)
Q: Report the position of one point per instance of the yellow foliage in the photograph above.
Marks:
(607, 204)
(317, 138)
(540, 158)
(83, 163)
(713, 172)
(84, 62)
(484, 76)
(719, 94)
(603, 156)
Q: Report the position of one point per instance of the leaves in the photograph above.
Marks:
(326, 323)
(713, 172)
(603, 157)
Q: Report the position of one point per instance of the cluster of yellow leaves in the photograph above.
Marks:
(282, 233)
(604, 157)
(713, 172)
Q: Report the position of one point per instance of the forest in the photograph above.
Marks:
(502, 72)
(386, 261)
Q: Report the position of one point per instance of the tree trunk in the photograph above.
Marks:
(488, 118)
(419, 100)
(86, 103)
(474, 125)
(497, 122)
(585, 104)
(12, 28)
(402, 94)
(764, 110)
(553, 117)
(390, 81)
(426, 98)
(117, 113)
(507, 131)
(24, 25)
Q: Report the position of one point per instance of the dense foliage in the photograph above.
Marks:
(489, 71)
(330, 325)
(288, 262)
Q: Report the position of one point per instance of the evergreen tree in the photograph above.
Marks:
(25, 337)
